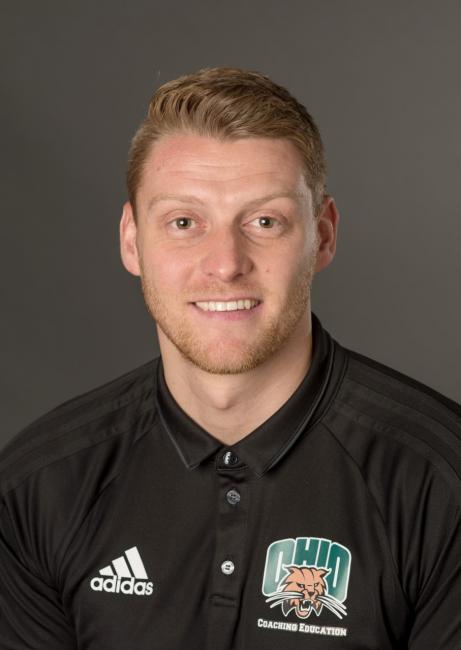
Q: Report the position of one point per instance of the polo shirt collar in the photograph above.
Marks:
(264, 447)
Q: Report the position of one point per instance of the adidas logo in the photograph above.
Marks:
(125, 575)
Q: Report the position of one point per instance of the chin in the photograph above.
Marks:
(222, 365)
(226, 355)
(229, 358)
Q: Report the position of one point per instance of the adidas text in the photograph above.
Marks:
(116, 585)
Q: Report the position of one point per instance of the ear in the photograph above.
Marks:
(327, 229)
(128, 248)
(290, 568)
(323, 572)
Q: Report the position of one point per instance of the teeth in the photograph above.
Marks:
(232, 305)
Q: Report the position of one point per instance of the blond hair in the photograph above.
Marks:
(228, 103)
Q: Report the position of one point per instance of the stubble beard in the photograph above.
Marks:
(231, 357)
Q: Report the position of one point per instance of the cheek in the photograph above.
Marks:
(164, 270)
(283, 280)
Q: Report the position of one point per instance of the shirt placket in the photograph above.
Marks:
(228, 561)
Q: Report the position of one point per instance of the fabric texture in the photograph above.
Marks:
(335, 524)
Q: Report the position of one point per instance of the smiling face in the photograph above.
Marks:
(226, 244)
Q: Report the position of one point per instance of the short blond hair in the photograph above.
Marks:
(228, 103)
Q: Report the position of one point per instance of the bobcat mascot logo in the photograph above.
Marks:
(304, 590)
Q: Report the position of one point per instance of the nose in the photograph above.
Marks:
(226, 256)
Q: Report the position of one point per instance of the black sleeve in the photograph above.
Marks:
(437, 611)
(31, 614)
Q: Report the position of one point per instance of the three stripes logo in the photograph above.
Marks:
(125, 575)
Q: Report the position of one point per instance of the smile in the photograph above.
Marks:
(231, 305)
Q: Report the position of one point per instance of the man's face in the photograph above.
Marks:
(226, 246)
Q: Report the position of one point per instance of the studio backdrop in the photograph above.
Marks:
(379, 77)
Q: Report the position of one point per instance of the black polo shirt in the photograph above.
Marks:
(335, 524)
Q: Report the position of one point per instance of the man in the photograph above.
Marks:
(258, 486)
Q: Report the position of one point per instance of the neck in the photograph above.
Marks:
(231, 406)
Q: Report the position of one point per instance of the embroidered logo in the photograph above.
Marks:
(125, 575)
(306, 575)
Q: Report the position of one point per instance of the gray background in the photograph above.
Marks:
(380, 77)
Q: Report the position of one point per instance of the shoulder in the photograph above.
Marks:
(396, 427)
(91, 423)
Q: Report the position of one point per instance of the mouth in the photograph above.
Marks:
(230, 305)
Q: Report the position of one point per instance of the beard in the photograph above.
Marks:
(229, 355)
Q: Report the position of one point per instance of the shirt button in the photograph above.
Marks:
(233, 497)
(227, 567)
(229, 458)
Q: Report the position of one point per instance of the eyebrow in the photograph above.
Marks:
(190, 198)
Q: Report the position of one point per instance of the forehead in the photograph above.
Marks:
(208, 165)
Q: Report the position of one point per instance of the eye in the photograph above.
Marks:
(266, 222)
(266, 225)
(300, 585)
(184, 226)
(183, 223)
(316, 584)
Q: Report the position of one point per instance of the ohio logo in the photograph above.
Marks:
(305, 575)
